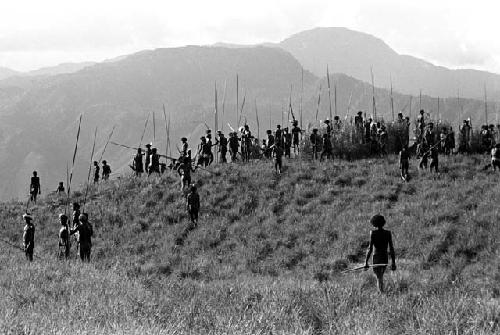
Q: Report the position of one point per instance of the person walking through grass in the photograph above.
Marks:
(380, 241)
(278, 158)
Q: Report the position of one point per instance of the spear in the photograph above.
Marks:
(349, 105)
(335, 97)
(223, 105)
(420, 101)
(74, 155)
(107, 142)
(167, 144)
(362, 267)
(154, 128)
(438, 111)
(237, 99)
(215, 118)
(319, 100)
(329, 94)
(301, 95)
(90, 169)
(485, 105)
(144, 131)
(392, 101)
(257, 119)
(374, 106)
(242, 106)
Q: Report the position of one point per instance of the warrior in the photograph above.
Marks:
(315, 139)
(64, 243)
(154, 165)
(193, 205)
(222, 142)
(28, 237)
(106, 170)
(404, 163)
(184, 170)
(96, 172)
(85, 231)
(137, 165)
(380, 241)
(327, 148)
(233, 146)
(287, 141)
(35, 188)
(296, 131)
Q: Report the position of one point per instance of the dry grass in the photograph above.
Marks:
(267, 255)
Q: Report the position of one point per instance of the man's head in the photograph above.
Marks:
(148, 145)
(153, 150)
(63, 218)
(183, 139)
(422, 112)
(269, 132)
(83, 217)
(27, 218)
(193, 188)
(278, 126)
(377, 221)
(96, 163)
(104, 162)
(360, 113)
(34, 173)
(139, 150)
(61, 183)
(76, 206)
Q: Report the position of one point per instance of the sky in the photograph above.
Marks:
(34, 33)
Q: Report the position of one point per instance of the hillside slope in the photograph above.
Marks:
(354, 53)
(267, 254)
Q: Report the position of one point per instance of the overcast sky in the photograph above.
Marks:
(38, 33)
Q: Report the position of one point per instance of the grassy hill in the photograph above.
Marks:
(267, 255)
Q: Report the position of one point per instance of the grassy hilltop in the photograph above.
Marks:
(267, 255)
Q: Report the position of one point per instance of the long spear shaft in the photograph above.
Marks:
(319, 100)
(144, 130)
(215, 119)
(90, 169)
(485, 106)
(74, 155)
(257, 119)
(154, 128)
(223, 105)
(374, 105)
(237, 99)
(107, 142)
(301, 95)
(329, 94)
(166, 130)
(392, 102)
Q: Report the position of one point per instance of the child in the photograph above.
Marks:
(380, 239)
(278, 158)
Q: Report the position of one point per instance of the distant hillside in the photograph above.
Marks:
(353, 53)
(38, 118)
(59, 69)
(6, 73)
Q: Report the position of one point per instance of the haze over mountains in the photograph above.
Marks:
(38, 114)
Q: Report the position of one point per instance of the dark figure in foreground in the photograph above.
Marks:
(84, 229)
(64, 245)
(327, 148)
(35, 188)
(193, 204)
(380, 240)
(28, 237)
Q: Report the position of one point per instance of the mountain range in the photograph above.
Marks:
(38, 114)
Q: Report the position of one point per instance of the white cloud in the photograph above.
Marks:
(40, 33)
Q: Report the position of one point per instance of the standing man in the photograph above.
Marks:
(106, 170)
(28, 237)
(278, 158)
(96, 172)
(35, 188)
(85, 230)
(380, 241)
(314, 138)
(327, 148)
(185, 146)
(404, 163)
(64, 245)
(148, 156)
(296, 131)
(154, 165)
(222, 142)
(137, 165)
(287, 139)
(233, 146)
(193, 204)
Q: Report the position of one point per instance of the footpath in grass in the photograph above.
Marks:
(267, 255)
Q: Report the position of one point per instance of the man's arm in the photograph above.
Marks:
(392, 253)
(369, 251)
